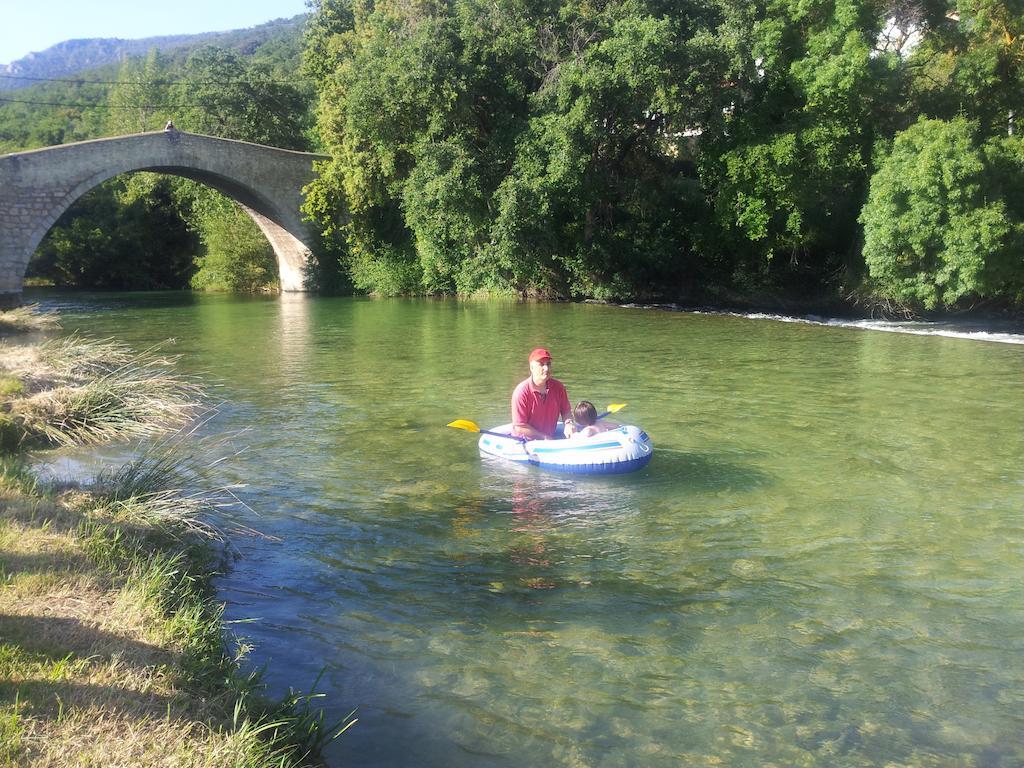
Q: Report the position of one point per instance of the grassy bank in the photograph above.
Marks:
(112, 645)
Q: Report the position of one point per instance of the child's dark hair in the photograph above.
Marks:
(585, 413)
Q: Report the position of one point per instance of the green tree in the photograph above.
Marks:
(223, 95)
(236, 256)
(942, 224)
(227, 96)
(137, 103)
(594, 204)
(804, 97)
(971, 63)
(553, 147)
(509, 146)
(411, 112)
(48, 114)
(123, 234)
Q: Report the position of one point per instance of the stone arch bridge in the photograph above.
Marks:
(36, 187)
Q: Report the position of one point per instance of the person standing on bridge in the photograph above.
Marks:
(539, 400)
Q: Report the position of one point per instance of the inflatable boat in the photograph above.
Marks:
(620, 449)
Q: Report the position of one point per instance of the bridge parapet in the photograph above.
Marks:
(37, 186)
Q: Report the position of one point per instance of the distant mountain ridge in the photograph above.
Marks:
(73, 56)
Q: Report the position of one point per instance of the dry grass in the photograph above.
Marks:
(57, 362)
(111, 651)
(26, 318)
(76, 391)
(80, 651)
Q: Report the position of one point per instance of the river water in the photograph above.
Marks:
(821, 566)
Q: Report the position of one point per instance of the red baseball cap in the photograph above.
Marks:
(540, 354)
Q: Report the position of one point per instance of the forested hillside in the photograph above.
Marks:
(852, 151)
(73, 57)
(57, 102)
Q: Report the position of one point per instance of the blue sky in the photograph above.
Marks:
(35, 25)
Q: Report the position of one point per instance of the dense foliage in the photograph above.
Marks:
(236, 255)
(941, 223)
(691, 150)
(640, 148)
(124, 234)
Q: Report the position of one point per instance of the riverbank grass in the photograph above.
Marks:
(112, 646)
(84, 392)
(111, 650)
(26, 318)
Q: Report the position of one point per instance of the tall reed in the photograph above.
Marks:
(103, 393)
(27, 317)
(173, 484)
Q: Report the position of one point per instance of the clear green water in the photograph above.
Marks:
(821, 566)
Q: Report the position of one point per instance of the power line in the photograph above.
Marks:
(104, 106)
(159, 81)
(99, 105)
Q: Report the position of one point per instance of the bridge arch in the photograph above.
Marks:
(37, 186)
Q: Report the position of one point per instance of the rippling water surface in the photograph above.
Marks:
(822, 565)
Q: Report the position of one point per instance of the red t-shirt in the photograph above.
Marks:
(540, 411)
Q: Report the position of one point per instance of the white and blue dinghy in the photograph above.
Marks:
(624, 448)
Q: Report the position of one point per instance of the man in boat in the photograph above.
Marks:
(539, 401)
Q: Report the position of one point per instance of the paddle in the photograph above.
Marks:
(470, 426)
(612, 408)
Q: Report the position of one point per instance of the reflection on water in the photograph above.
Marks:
(820, 566)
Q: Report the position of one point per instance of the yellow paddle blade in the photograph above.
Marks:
(615, 407)
(469, 426)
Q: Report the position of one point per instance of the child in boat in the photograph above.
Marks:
(585, 417)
